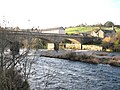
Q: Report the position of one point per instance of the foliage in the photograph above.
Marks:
(81, 57)
(116, 43)
(118, 36)
(109, 24)
(12, 80)
(12, 77)
(112, 43)
(40, 44)
(106, 39)
(92, 40)
(35, 43)
(105, 45)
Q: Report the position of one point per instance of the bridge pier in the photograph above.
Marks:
(56, 46)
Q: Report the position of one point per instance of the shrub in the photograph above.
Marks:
(12, 80)
(82, 57)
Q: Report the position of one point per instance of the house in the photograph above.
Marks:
(94, 33)
(57, 30)
(106, 33)
(103, 33)
(84, 34)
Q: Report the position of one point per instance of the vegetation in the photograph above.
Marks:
(14, 66)
(12, 80)
(109, 24)
(112, 43)
(80, 57)
(77, 30)
(116, 42)
(92, 41)
(80, 29)
(40, 44)
(84, 57)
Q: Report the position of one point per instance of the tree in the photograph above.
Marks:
(40, 44)
(109, 24)
(14, 66)
(117, 42)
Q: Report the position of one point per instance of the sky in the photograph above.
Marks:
(57, 13)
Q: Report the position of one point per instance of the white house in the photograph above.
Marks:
(57, 30)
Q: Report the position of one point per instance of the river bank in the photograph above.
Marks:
(94, 57)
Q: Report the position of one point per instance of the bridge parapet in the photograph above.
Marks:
(47, 36)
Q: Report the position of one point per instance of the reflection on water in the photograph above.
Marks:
(58, 74)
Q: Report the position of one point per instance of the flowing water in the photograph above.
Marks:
(59, 74)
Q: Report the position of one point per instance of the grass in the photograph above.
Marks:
(77, 30)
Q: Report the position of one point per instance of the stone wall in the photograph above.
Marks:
(92, 47)
(66, 46)
(73, 46)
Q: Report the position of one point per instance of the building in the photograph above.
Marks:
(57, 30)
(84, 34)
(103, 33)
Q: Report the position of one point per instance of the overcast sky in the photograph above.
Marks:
(55, 13)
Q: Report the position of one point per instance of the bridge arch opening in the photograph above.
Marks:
(73, 41)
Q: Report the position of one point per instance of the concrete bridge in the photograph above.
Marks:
(51, 38)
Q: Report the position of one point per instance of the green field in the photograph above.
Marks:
(77, 30)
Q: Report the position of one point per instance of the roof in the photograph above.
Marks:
(108, 31)
(53, 28)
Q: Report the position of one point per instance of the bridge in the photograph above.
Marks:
(51, 38)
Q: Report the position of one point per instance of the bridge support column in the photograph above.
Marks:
(81, 43)
(56, 46)
(81, 47)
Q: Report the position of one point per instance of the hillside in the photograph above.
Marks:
(77, 30)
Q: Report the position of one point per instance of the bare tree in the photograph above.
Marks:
(13, 61)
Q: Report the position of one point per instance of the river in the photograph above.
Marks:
(59, 74)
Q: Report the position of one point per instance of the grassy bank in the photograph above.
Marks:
(83, 58)
(88, 58)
